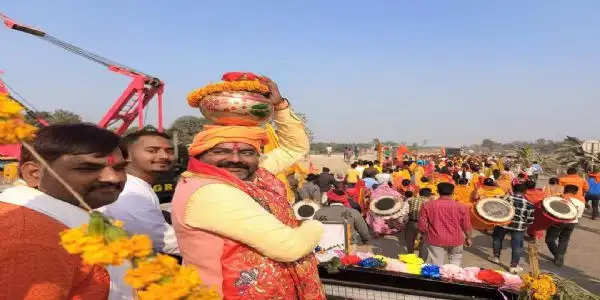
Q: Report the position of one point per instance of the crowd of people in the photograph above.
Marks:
(231, 218)
(439, 193)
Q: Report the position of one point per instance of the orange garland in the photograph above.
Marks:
(254, 86)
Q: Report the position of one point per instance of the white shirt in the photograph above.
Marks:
(383, 178)
(138, 207)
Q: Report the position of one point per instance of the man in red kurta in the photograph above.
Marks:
(33, 264)
(446, 225)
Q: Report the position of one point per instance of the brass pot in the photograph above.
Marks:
(236, 108)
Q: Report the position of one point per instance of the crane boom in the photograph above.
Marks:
(130, 105)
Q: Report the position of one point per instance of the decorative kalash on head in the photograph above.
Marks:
(230, 205)
(240, 99)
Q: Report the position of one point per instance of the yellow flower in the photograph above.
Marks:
(8, 107)
(141, 245)
(145, 273)
(76, 240)
(70, 239)
(169, 263)
(12, 126)
(204, 293)
(98, 254)
(541, 288)
(118, 223)
(411, 259)
(122, 249)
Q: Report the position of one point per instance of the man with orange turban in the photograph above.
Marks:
(231, 215)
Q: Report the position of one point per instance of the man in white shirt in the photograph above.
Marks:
(150, 153)
(385, 177)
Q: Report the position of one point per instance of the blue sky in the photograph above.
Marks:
(451, 72)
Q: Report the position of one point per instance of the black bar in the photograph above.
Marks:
(411, 284)
(28, 30)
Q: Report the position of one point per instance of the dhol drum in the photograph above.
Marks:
(305, 210)
(552, 210)
(388, 211)
(490, 212)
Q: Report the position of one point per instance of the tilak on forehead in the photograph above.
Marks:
(111, 160)
(236, 146)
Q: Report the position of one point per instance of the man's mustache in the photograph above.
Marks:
(230, 164)
(107, 185)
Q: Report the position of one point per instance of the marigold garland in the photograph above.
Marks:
(254, 86)
(540, 288)
(13, 128)
(154, 277)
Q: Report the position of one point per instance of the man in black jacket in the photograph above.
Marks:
(326, 180)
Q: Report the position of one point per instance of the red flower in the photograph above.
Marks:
(236, 76)
(349, 260)
(490, 277)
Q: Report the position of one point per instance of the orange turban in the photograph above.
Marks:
(214, 135)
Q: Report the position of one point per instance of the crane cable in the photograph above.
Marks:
(68, 46)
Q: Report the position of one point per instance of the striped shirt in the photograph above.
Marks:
(414, 207)
(524, 212)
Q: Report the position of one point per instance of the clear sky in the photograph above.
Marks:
(451, 72)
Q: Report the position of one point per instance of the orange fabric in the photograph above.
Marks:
(464, 194)
(475, 180)
(214, 135)
(441, 177)
(534, 195)
(489, 191)
(505, 183)
(35, 266)
(577, 180)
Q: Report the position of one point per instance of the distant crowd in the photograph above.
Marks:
(439, 193)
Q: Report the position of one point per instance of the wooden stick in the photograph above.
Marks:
(534, 262)
(348, 237)
(42, 161)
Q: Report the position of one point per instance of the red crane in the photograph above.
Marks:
(127, 107)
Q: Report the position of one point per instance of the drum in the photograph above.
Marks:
(552, 210)
(388, 211)
(490, 212)
(305, 210)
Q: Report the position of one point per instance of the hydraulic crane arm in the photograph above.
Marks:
(133, 100)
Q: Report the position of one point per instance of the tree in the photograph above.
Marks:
(527, 155)
(571, 154)
(490, 144)
(65, 117)
(187, 127)
(133, 129)
(59, 116)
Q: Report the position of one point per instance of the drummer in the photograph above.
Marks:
(524, 215)
(489, 189)
(561, 232)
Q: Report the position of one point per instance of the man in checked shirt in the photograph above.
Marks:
(524, 212)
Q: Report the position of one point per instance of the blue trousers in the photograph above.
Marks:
(516, 243)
